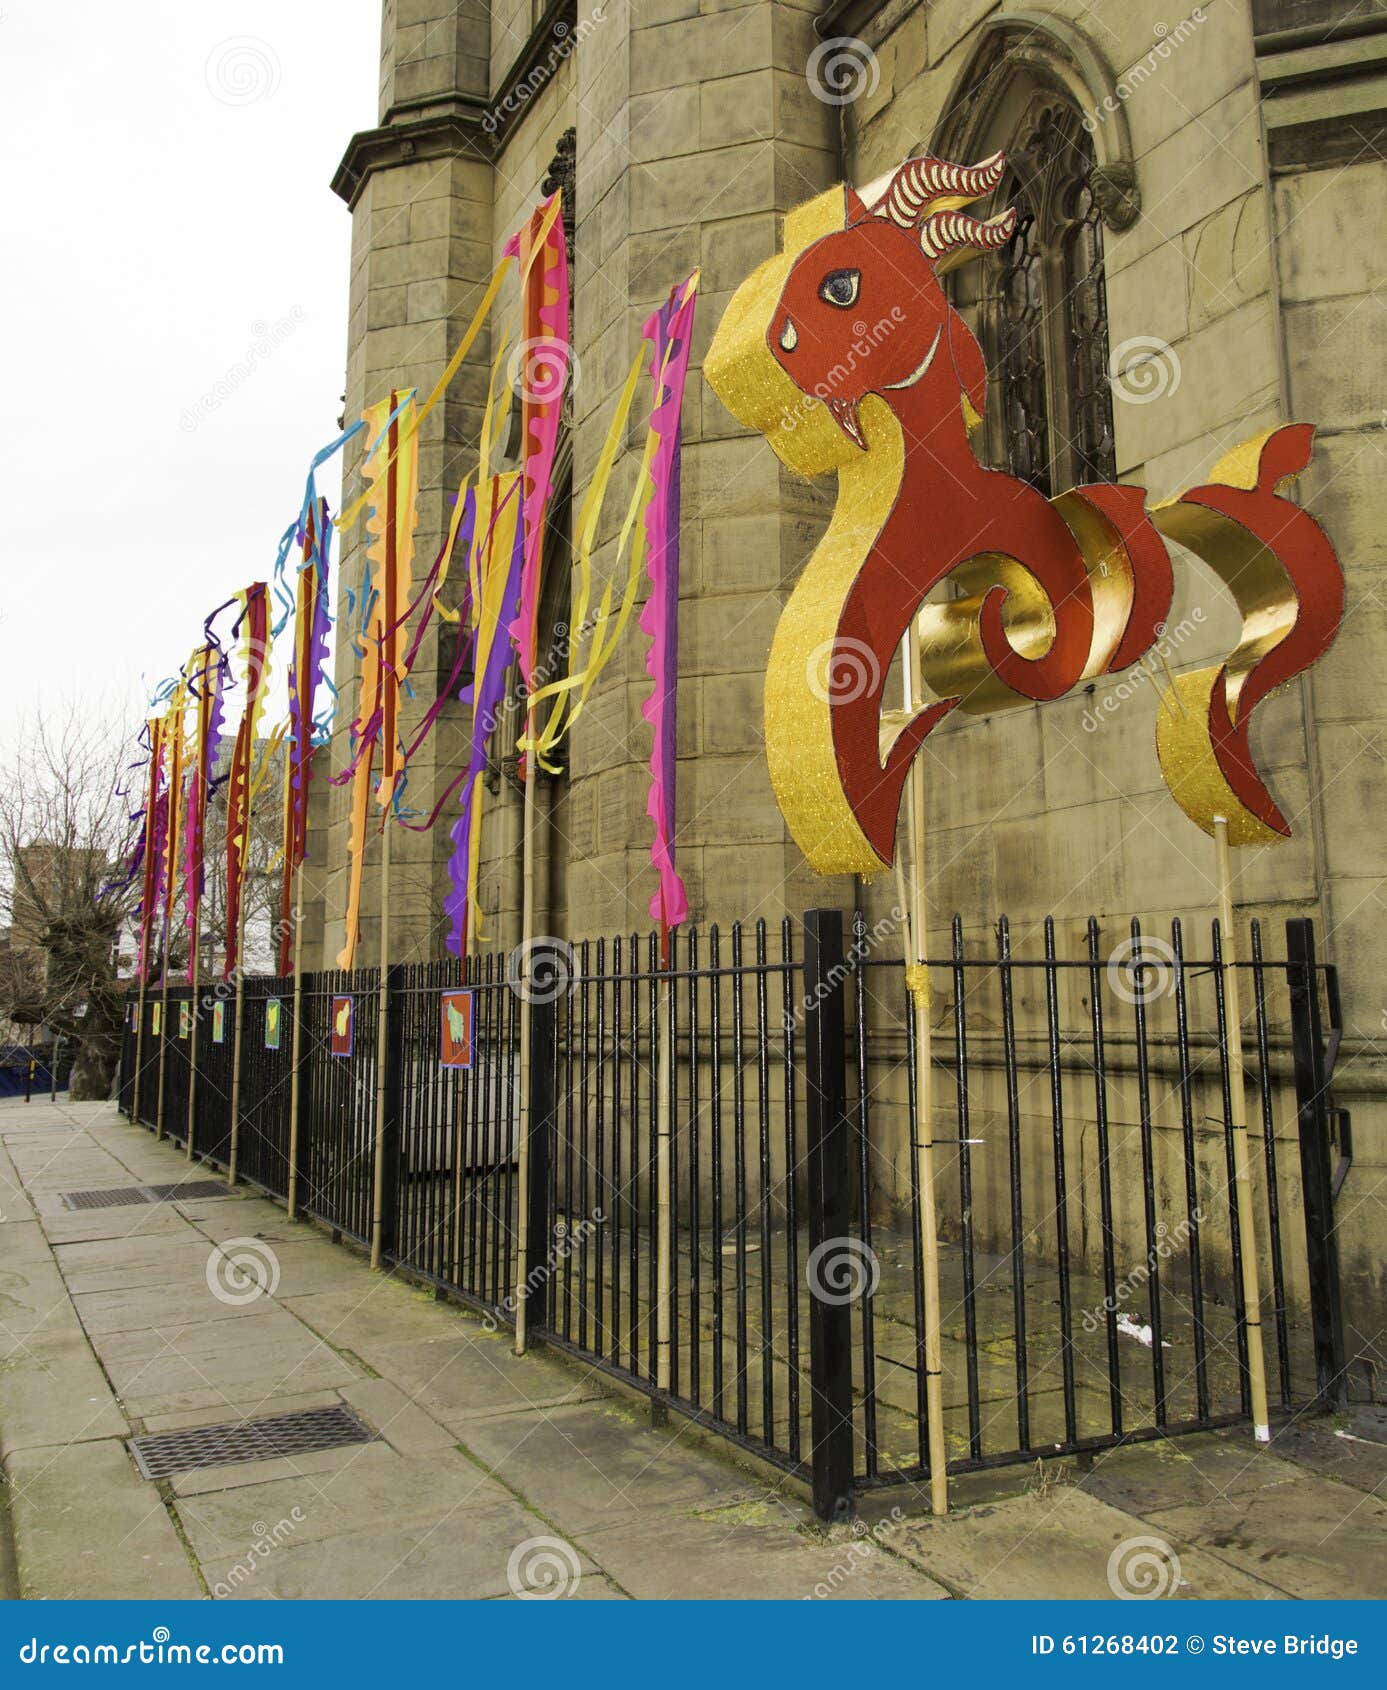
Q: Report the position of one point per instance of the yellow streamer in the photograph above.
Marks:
(474, 328)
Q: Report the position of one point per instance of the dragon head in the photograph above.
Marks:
(862, 311)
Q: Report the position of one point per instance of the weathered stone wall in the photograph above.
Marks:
(699, 124)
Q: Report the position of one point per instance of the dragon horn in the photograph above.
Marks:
(920, 181)
(948, 232)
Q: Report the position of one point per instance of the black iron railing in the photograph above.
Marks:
(722, 1171)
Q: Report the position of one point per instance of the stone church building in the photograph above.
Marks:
(1197, 258)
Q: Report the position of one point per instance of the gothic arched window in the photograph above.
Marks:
(1043, 314)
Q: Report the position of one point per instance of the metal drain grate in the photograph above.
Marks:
(189, 1188)
(158, 1454)
(122, 1196)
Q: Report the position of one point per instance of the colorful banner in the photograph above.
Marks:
(170, 829)
(455, 1030)
(670, 332)
(207, 672)
(254, 627)
(343, 1026)
(543, 363)
(150, 839)
(307, 671)
(394, 479)
(499, 558)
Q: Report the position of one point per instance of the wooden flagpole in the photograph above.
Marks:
(295, 1045)
(917, 983)
(233, 1153)
(527, 937)
(139, 1051)
(1237, 1108)
(660, 1034)
(389, 690)
(163, 1040)
(382, 1048)
(190, 1126)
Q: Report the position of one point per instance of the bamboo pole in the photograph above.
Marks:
(233, 1154)
(917, 981)
(163, 1042)
(527, 936)
(664, 1212)
(295, 1046)
(139, 1052)
(1237, 1106)
(190, 1125)
(382, 1047)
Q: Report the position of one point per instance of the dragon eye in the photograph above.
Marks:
(839, 287)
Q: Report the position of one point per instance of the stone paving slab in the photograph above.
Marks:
(376, 1486)
(1060, 1545)
(465, 1554)
(1353, 1447)
(87, 1525)
(128, 1264)
(53, 1391)
(468, 1375)
(373, 1313)
(1306, 1538)
(751, 1551)
(588, 1468)
(1197, 1471)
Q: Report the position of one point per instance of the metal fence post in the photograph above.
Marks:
(536, 1254)
(1316, 1174)
(830, 1321)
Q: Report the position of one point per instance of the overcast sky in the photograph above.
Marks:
(173, 293)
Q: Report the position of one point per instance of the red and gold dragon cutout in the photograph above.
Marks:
(845, 352)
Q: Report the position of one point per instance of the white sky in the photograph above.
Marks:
(167, 217)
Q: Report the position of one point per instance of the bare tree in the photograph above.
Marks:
(65, 834)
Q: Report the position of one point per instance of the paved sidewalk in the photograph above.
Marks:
(491, 1475)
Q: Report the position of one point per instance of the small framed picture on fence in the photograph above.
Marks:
(156, 1020)
(456, 1030)
(272, 1023)
(218, 1023)
(185, 1020)
(343, 1023)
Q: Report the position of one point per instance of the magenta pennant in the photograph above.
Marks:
(670, 331)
